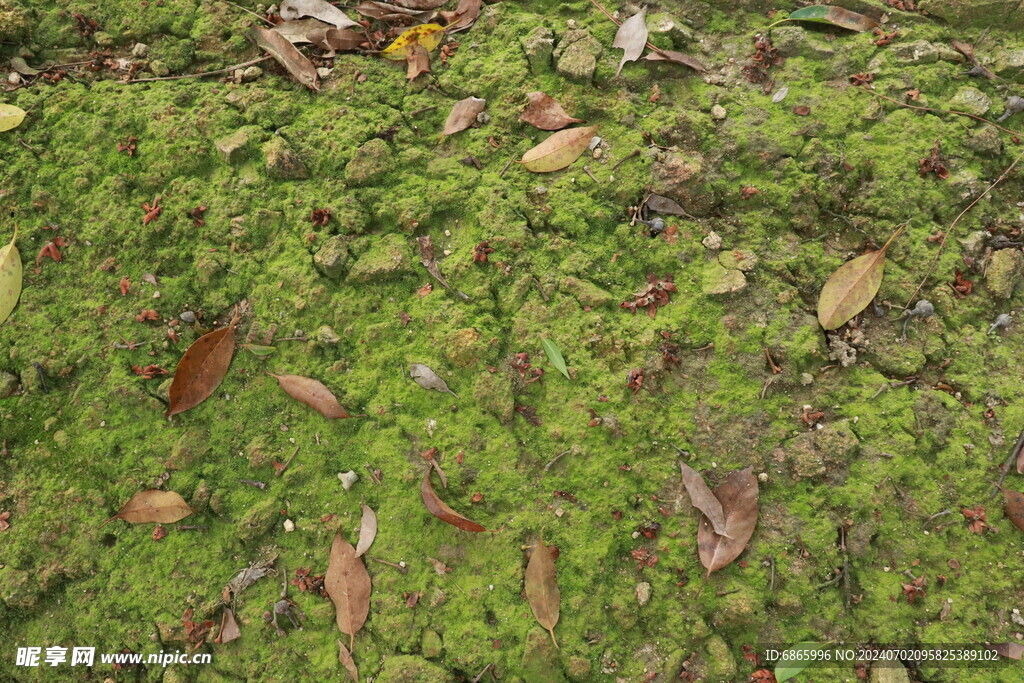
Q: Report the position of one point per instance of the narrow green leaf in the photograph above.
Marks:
(555, 356)
(259, 351)
(835, 16)
(796, 659)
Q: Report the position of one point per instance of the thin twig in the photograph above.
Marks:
(424, 109)
(249, 11)
(956, 220)
(942, 111)
(480, 675)
(632, 154)
(505, 168)
(281, 471)
(201, 74)
(555, 459)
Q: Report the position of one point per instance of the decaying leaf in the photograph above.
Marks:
(664, 205)
(428, 36)
(559, 150)
(202, 368)
(318, 9)
(554, 355)
(417, 62)
(257, 569)
(10, 117)
(10, 278)
(738, 496)
(546, 113)
(420, 5)
(676, 58)
(348, 585)
(313, 394)
(441, 510)
(287, 56)
(298, 30)
(850, 289)
(703, 499)
(1009, 650)
(427, 258)
(367, 531)
(345, 657)
(463, 115)
(465, 15)
(336, 39)
(428, 379)
(542, 587)
(835, 16)
(383, 11)
(228, 628)
(631, 38)
(1014, 501)
(153, 505)
(796, 659)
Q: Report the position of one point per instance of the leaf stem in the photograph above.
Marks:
(894, 236)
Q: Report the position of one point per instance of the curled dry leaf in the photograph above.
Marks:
(738, 496)
(546, 113)
(463, 115)
(850, 289)
(10, 117)
(441, 510)
(299, 30)
(631, 38)
(367, 531)
(542, 587)
(318, 9)
(465, 15)
(345, 657)
(835, 16)
(228, 628)
(287, 56)
(428, 379)
(1014, 501)
(336, 39)
(153, 505)
(664, 205)
(703, 499)
(420, 5)
(10, 278)
(1010, 650)
(348, 585)
(559, 150)
(417, 62)
(202, 368)
(676, 58)
(383, 11)
(313, 394)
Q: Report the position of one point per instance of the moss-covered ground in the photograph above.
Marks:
(832, 448)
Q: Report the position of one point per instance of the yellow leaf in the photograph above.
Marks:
(10, 117)
(10, 278)
(428, 36)
(558, 150)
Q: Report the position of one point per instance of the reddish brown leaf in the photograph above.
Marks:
(367, 531)
(420, 5)
(545, 113)
(464, 16)
(542, 587)
(441, 510)
(313, 394)
(202, 368)
(124, 285)
(1008, 650)
(287, 55)
(738, 496)
(1014, 507)
(348, 585)
(335, 39)
(153, 505)
(703, 499)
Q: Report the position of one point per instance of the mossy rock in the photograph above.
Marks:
(412, 669)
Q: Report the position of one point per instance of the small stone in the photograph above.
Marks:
(718, 112)
(188, 317)
(971, 101)
(576, 56)
(643, 593)
(923, 52)
(289, 525)
(140, 50)
(333, 258)
(483, 117)
(326, 336)
(233, 148)
(719, 280)
(762, 477)
(389, 257)
(538, 46)
(430, 644)
(251, 73)
(712, 241)
(281, 162)
(348, 479)
(8, 384)
(371, 161)
(1003, 273)
(806, 379)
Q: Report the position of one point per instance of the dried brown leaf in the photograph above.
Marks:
(420, 5)
(463, 115)
(367, 531)
(1014, 501)
(676, 58)
(703, 499)
(318, 9)
(664, 205)
(417, 61)
(738, 496)
(162, 507)
(631, 38)
(345, 657)
(558, 150)
(201, 369)
(336, 39)
(428, 379)
(546, 113)
(465, 15)
(1009, 650)
(228, 628)
(287, 56)
(313, 394)
(542, 587)
(299, 30)
(851, 288)
(441, 510)
(348, 585)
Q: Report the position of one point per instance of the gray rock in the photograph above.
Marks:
(158, 68)
(251, 74)
(923, 52)
(140, 50)
(643, 593)
(538, 45)
(720, 281)
(8, 384)
(1004, 272)
(889, 672)
(977, 13)
(1009, 63)
(188, 317)
(665, 24)
(970, 100)
(430, 644)
(587, 293)
(797, 41)
(235, 147)
(985, 140)
(576, 55)
(282, 162)
(371, 161)
(540, 658)
(333, 259)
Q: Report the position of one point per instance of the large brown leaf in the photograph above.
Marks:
(313, 394)
(202, 368)
(631, 38)
(542, 588)
(463, 115)
(850, 289)
(440, 509)
(318, 9)
(558, 150)
(738, 496)
(1014, 501)
(546, 113)
(287, 56)
(228, 628)
(162, 507)
(332, 40)
(367, 530)
(703, 499)
(348, 585)
(299, 30)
